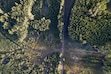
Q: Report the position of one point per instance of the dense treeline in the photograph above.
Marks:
(90, 22)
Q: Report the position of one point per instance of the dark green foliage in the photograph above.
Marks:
(18, 19)
(6, 5)
(23, 18)
(51, 32)
(50, 63)
(36, 10)
(19, 62)
(42, 24)
(91, 22)
(14, 27)
(28, 26)
(53, 10)
(109, 6)
(54, 6)
(6, 43)
(107, 59)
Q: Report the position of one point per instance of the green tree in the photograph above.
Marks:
(42, 24)
(90, 21)
(17, 20)
(106, 49)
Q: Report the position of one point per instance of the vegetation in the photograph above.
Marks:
(90, 21)
(32, 31)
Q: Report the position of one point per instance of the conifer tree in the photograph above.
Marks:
(90, 21)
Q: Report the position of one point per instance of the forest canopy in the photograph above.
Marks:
(32, 36)
(91, 22)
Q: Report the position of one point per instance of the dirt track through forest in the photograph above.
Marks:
(66, 20)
